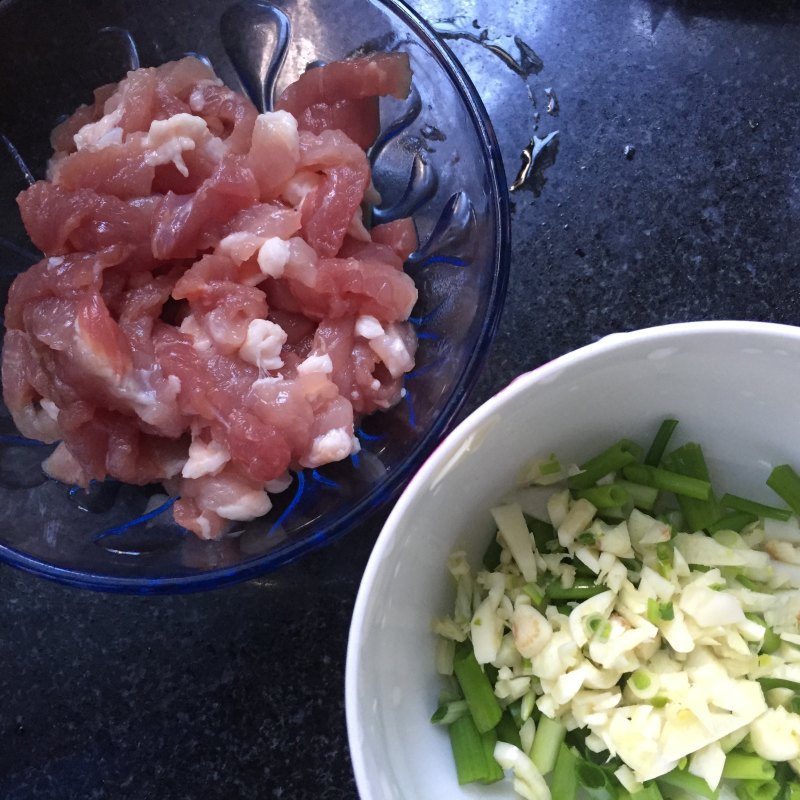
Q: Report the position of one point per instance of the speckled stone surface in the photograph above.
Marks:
(239, 693)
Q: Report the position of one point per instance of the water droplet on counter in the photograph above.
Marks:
(629, 151)
(536, 158)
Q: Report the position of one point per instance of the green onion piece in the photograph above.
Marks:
(643, 497)
(544, 534)
(581, 590)
(649, 792)
(550, 466)
(641, 679)
(564, 781)
(660, 442)
(665, 553)
(593, 624)
(751, 507)
(778, 683)
(515, 709)
(680, 779)
(689, 460)
(659, 702)
(534, 592)
(668, 481)
(494, 772)
(747, 767)
(758, 790)
(609, 496)
(659, 612)
(615, 457)
(753, 586)
(596, 781)
(468, 751)
(771, 642)
(546, 743)
(449, 712)
(491, 557)
(794, 705)
(733, 522)
(587, 539)
(785, 482)
(792, 792)
(507, 730)
(478, 693)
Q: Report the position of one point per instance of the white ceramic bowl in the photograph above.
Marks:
(734, 386)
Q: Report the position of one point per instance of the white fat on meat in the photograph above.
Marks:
(333, 445)
(263, 344)
(278, 130)
(205, 458)
(279, 484)
(387, 343)
(239, 246)
(100, 134)
(273, 256)
(250, 504)
(300, 185)
(356, 229)
(314, 375)
(201, 341)
(167, 140)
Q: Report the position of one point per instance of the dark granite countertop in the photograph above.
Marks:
(238, 693)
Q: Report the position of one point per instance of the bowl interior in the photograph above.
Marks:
(732, 386)
(435, 159)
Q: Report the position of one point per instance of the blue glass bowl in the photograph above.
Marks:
(436, 159)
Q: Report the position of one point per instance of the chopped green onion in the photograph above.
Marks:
(596, 781)
(680, 779)
(507, 730)
(689, 460)
(778, 683)
(580, 590)
(648, 792)
(534, 592)
(785, 482)
(449, 712)
(494, 772)
(746, 767)
(593, 624)
(615, 457)
(751, 507)
(477, 688)
(550, 466)
(564, 782)
(733, 522)
(792, 792)
(659, 612)
(659, 702)
(660, 442)
(609, 496)
(544, 533)
(643, 497)
(668, 481)
(665, 553)
(468, 751)
(641, 679)
(753, 586)
(546, 743)
(758, 790)
(587, 539)
(491, 558)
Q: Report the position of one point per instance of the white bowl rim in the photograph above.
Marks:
(453, 441)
